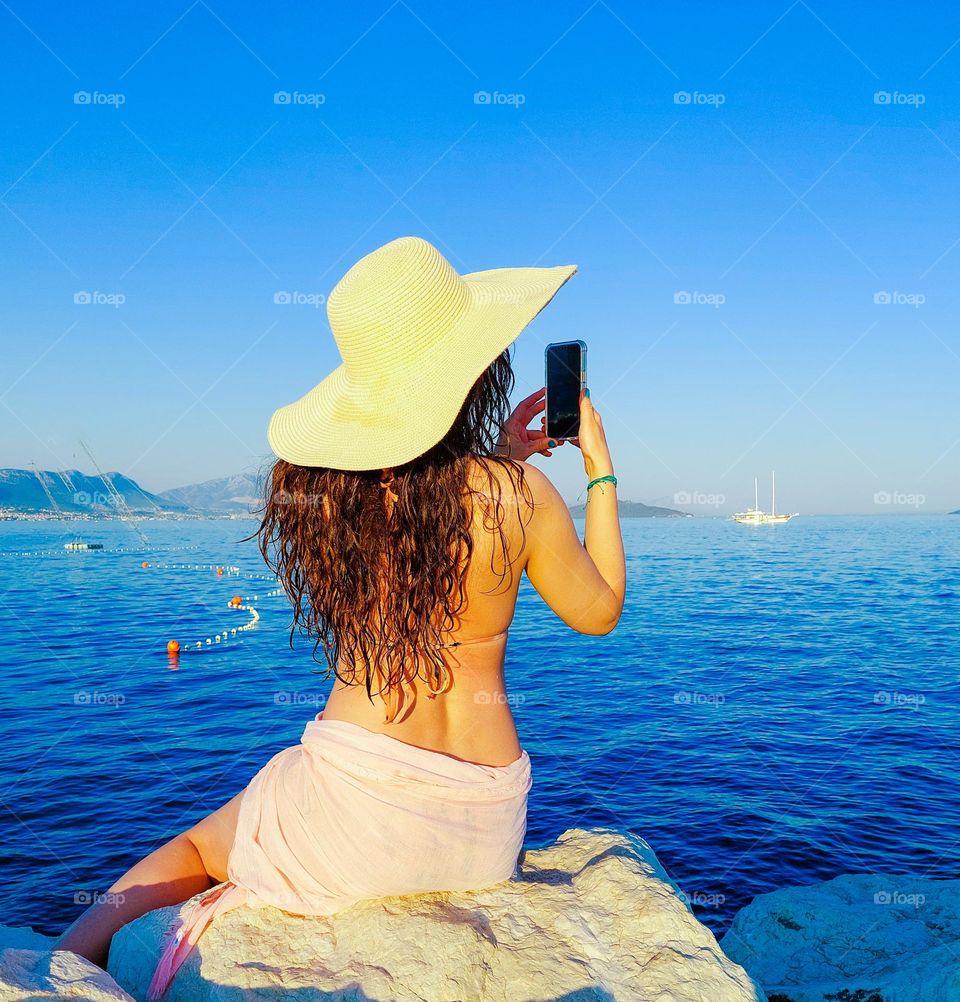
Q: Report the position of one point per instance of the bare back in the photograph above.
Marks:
(472, 719)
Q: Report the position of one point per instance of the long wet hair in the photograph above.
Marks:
(388, 589)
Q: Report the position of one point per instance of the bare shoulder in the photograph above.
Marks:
(545, 495)
(524, 485)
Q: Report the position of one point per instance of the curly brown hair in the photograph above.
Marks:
(347, 566)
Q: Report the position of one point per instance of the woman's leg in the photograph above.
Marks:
(178, 870)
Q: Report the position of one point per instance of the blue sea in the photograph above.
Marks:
(777, 706)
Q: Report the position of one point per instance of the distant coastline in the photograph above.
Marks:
(34, 495)
(634, 509)
(71, 495)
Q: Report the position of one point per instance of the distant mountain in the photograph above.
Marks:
(240, 493)
(77, 493)
(634, 509)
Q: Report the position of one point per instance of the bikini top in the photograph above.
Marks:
(476, 640)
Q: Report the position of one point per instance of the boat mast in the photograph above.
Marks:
(773, 493)
(756, 495)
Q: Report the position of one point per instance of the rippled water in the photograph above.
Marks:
(778, 704)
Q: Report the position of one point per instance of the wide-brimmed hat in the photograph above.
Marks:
(414, 336)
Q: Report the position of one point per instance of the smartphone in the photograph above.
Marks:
(566, 376)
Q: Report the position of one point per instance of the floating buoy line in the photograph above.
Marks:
(242, 603)
(63, 551)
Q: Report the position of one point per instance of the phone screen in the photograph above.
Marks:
(564, 368)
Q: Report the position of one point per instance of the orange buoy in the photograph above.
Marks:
(145, 564)
(219, 572)
(173, 647)
(236, 600)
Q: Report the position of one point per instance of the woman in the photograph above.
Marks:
(399, 517)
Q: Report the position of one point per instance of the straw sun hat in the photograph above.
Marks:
(414, 336)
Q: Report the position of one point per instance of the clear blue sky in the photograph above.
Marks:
(782, 207)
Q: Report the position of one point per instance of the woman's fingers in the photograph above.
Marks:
(531, 405)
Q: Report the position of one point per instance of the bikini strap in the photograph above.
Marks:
(476, 640)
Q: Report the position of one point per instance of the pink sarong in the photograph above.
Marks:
(351, 814)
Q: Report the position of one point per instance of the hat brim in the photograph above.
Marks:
(336, 425)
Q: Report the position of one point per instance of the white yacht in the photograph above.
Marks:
(754, 516)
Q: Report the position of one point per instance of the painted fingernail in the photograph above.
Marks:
(586, 393)
(551, 444)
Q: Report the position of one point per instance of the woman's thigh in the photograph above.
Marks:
(213, 837)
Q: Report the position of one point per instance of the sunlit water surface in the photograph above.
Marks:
(777, 706)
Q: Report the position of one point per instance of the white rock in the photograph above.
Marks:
(42, 974)
(591, 917)
(894, 936)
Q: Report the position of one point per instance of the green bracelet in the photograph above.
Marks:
(601, 480)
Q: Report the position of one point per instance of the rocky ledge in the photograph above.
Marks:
(856, 938)
(591, 917)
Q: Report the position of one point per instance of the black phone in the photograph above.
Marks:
(566, 376)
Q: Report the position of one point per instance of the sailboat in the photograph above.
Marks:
(754, 516)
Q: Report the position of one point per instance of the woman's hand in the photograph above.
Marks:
(517, 440)
(592, 440)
